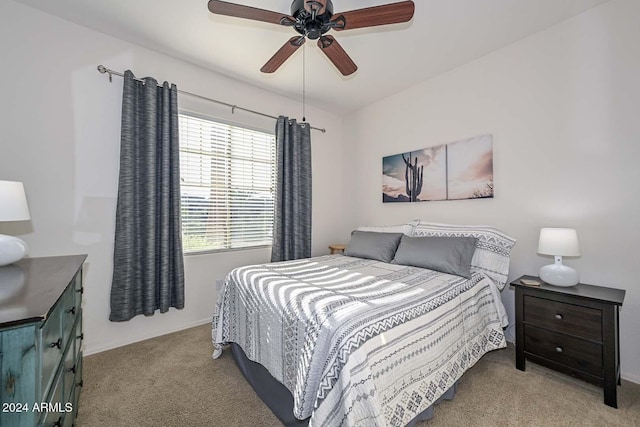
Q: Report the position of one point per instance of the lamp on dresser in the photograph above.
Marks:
(13, 207)
(559, 242)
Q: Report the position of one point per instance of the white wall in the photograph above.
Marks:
(60, 130)
(562, 106)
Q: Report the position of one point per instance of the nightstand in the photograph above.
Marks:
(572, 330)
(337, 249)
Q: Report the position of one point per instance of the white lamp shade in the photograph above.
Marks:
(559, 241)
(13, 202)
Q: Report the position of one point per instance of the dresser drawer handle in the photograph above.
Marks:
(72, 369)
(558, 316)
(57, 344)
(559, 350)
(72, 310)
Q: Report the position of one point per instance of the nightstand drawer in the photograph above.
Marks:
(572, 319)
(571, 352)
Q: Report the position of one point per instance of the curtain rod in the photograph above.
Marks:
(104, 70)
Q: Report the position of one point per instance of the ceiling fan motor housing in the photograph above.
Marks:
(310, 24)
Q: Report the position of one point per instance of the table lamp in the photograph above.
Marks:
(559, 242)
(13, 207)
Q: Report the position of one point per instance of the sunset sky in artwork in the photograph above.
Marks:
(470, 166)
(433, 160)
(467, 163)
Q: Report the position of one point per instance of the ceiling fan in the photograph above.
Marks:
(313, 19)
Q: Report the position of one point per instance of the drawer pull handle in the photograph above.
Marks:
(81, 336)
(79, 384)
(72, 369)
(558, 316)
(81, 290)
(57, 344)
(559, 350)
(72, 310)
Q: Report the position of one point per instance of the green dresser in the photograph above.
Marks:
(41, 341)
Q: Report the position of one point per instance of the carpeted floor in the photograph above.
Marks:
(172, 381)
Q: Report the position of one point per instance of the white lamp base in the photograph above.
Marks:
(12, 249)
(559, 274)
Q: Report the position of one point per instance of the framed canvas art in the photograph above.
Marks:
(454, 171)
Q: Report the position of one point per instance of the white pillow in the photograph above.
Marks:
(406, 229)
(493, 248)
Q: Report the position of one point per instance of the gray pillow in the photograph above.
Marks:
(450, 255)
(372, 245)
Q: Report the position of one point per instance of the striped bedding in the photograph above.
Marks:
(359, 342)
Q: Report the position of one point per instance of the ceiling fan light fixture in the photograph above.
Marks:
(320, 8)
(312, 19)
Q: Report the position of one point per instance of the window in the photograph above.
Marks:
(227, 176)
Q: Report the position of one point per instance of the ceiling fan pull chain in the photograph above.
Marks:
(304, 84)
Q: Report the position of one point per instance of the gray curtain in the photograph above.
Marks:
(292, 223)
(148, 268)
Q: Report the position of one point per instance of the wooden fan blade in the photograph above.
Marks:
(337, 55)
(288, 49)
(248, 12)
(393, 13)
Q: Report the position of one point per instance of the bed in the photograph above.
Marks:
(356, 341)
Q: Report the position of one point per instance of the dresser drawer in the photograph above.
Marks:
(70, 310)
(78, 383)
(55, 416)
(78, 333)
(52, 344)
(572, 352)
(572, 319)
(69, 370)
(78, 288)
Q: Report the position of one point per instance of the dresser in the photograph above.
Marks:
(573, 330)
(41, 341)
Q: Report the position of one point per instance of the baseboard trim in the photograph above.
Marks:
(631, 378)
(133, 340)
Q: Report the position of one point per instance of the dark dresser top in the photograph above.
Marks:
(30, 287)
(581, 290)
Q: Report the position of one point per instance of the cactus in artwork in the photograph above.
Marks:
(413, 176)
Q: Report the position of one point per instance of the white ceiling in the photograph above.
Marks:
(443, 34)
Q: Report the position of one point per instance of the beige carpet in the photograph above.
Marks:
(172, 381)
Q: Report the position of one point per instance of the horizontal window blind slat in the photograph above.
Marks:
(228, 185)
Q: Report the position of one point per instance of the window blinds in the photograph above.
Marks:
(227, 185)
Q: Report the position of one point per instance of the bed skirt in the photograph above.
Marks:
(279, 399)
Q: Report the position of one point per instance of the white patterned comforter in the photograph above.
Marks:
(359, 342)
